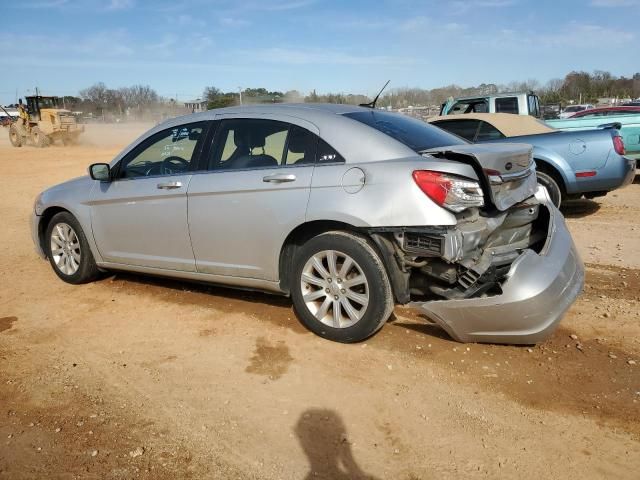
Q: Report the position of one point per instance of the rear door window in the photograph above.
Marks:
(507, 105)
(249, 143)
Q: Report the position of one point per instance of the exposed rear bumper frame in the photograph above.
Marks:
(538, 291)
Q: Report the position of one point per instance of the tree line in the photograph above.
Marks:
(574, 87)
(138, 101)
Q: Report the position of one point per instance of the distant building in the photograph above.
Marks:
(13, 112)
(197, 105)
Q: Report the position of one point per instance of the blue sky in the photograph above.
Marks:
(181, 46)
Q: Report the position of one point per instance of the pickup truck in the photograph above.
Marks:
(516, 103)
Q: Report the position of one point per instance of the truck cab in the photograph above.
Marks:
(515, 103)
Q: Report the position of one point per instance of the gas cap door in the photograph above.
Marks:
(353, 180)
(577, 146)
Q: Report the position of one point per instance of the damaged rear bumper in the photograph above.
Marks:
(539, 289)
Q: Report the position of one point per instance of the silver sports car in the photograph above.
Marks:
(348, 210)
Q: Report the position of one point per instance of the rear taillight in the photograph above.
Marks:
(449, 191)
(618, 145)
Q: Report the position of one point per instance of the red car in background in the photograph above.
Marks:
(607, 111)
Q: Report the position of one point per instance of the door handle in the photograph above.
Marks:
(169, 185)
(279, 178)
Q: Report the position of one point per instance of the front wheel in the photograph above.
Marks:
(340, 288)
(14, 136)
(68, 250)
(555, 192)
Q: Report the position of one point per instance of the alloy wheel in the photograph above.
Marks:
(65, 248)
(334, 288)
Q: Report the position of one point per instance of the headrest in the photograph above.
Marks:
(247, 138)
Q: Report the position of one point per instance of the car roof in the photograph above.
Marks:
(294, 109)
(509, 124)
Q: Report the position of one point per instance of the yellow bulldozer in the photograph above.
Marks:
(43, 121)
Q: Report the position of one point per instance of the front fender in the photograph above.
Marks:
(73, 198)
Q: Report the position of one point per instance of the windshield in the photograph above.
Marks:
(415, 134)
(576, 108)
(47, 102)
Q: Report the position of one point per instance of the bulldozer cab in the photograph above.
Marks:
(36, 103)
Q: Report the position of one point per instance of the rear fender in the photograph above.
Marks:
(555, 161)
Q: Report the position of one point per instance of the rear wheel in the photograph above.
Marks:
(14, 136)
(68, 250)
(340, 288)
(40, 140)
(555, 192)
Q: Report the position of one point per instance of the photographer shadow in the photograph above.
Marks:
(323, 437)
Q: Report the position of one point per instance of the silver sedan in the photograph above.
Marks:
(347, 210)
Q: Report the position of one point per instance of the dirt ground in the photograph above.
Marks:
(135, 377)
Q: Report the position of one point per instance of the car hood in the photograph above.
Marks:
(506, 171)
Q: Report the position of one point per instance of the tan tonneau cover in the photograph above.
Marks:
(509, 124)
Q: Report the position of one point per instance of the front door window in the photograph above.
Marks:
(168, 152)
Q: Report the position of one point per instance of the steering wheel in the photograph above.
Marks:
(173, 164)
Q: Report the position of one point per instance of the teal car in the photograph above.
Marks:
(629, 130)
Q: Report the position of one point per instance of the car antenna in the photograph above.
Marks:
(373, 103)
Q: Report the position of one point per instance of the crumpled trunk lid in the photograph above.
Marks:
(506, 171)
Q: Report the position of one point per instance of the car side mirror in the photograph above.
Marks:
(100, 172)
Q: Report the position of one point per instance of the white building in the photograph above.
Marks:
(197, 105)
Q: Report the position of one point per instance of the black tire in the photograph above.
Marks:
(14, 136)
(550, 183)
(380, 298)
(87, 269)
(40, 140)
